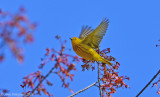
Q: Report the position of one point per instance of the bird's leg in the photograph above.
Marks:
(89, 62)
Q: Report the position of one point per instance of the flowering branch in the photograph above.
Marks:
(108, 77)
(83, 89)
(15, 29)
(62, 67)
(42, 80)
(148, 83)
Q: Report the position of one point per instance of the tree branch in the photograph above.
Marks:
(83, 89)
(41, 81)
(148, 83)
(99, 79)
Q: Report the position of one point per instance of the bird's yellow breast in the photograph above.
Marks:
(84, 51)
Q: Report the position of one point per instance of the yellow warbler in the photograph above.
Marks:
(89, 40)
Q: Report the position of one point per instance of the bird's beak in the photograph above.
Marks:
(70, 38)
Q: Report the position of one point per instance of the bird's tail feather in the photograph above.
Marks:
(105, 61)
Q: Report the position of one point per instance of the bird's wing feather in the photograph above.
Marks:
(85, 32)
(94, 38)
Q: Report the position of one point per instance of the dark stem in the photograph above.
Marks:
(148, 83)
(83, 89)
(99, 79)
(41, 81)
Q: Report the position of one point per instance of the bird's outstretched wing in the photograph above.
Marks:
(85, 32)
(94, 38)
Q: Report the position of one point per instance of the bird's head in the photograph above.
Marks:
(75, 40)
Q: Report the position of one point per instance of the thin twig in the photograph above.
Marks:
(99, 79)
(148, 83)
(83, 89)
(41, 81)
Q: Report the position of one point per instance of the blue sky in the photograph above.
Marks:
(133, 33)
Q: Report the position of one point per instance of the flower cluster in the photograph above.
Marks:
(15, 30)
(108, 74)
(61, 66)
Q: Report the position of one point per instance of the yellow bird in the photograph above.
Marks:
(89, 40)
